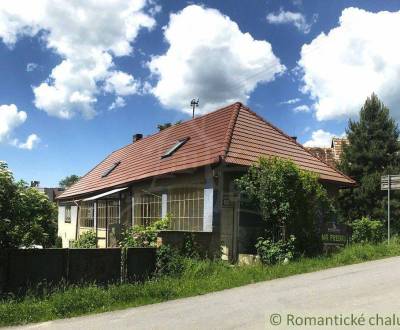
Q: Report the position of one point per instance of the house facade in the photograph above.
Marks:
(186, 171)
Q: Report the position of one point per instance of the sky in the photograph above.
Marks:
(78, 78)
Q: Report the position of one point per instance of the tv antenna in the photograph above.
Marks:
(194, 104)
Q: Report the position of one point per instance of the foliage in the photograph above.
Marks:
(197, 277)
(58, 242)
(141, 236)
(86, 240)
(291, 201)
(373, 151)
(366, 230)
(169, 261)
(69, 180)
(162, 127)
(272, 253)
(27, 217)
(190, 248)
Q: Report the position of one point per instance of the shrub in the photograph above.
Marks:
(272, 253)
(87, 240)
(58, 242)
(190, 248)
(366, 230)
(141, 236)
(169, 261)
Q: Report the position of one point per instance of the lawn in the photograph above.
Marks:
(198, 277)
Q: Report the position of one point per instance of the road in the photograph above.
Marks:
(363, 289)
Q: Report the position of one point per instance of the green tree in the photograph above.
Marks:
(373, 151)
(69, 180)
(291, 201)
(27, 217)
(162, 127)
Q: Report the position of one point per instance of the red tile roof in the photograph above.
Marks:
(234, 134)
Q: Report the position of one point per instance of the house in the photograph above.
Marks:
(332, 155)
(188, 172)
(51, 193)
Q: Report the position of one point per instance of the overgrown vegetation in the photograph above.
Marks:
(366, 230)
(272, 253)
(196, 277)
(143, 236)
(27, 217)
(291, 202)
(86, 240)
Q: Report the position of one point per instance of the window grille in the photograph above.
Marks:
(113, 211)
(67, 215)
(86, 215)
(186, 208)
(107, 211)
(147, 209)
(101, 214)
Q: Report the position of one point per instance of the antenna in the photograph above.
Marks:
(194, 104)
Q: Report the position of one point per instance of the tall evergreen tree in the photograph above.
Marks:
(373, 151)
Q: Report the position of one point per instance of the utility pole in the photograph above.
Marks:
(194, 104)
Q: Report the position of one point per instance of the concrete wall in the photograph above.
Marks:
(67, 231)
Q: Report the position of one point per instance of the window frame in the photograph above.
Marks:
(67, 219)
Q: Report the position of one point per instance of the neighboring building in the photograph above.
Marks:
(332, 155)
(51, 193)
(188, 172)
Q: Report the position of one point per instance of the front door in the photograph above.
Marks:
(228, 234)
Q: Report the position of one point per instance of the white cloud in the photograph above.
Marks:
(302, 108)
(10, 119)
(31, 67)
(121, 83)
(87, 34)
(291, 101)
(320, 138)
(360, 56)
(118, 103)
(289, 17)
(211, 59)
(31, 142)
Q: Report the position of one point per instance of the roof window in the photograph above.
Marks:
(112, 168)
(175, 147)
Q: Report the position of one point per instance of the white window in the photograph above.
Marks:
(186, 208)
(67, 214)
(86, 215)
(107, 212)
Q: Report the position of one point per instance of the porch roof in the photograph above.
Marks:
(107, 193)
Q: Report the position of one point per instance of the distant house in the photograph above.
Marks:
(51, 193)
(332, 155)
(186, 171)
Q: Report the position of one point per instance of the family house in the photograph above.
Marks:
(186, 171)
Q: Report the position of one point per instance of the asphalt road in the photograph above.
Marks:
(370, 289)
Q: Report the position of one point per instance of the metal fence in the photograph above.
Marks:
(24, 269)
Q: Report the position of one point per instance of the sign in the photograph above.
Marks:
(393, 180)
(334, 234)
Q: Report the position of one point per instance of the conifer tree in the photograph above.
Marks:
(373, 151)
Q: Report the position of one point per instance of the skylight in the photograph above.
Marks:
(175, 147)
(112, 168)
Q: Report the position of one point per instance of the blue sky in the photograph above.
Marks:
(63, 65)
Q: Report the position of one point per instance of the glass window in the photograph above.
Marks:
(147, 208)
(86, 215)
(67, 214)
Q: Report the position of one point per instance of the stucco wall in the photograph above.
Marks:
(67, 231)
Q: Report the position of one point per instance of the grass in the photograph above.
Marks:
(198, 277)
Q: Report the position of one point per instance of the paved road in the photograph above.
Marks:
(368, 288)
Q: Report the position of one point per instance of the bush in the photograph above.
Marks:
(87, 240)
(140, 236)
(58, 242)
(169, 261)
(366, 230)
(272, 253)
(191, 248)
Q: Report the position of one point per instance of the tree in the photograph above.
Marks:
(373, 151)
(27, 217)
(162, 127)
(69, 180)
(291, 201)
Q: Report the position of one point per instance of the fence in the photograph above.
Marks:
(21, 269)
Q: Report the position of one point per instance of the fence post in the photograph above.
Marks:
(67, 266)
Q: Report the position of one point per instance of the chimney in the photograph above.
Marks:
(294, 138)
(137, 137)
(35, 184)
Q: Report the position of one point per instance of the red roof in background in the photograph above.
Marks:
(234, 134)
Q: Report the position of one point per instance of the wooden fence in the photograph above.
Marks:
(22, 269)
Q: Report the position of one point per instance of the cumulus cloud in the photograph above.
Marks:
(302, 108)
(121, 83)
(10, 119)
(320, 138)
(360, 56)
(31, 67)
(291, 101)
(289, 17)
(118, 103)
(31, 142)
(211, 59)
(87, 34)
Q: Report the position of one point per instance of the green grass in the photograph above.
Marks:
(199, 277)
